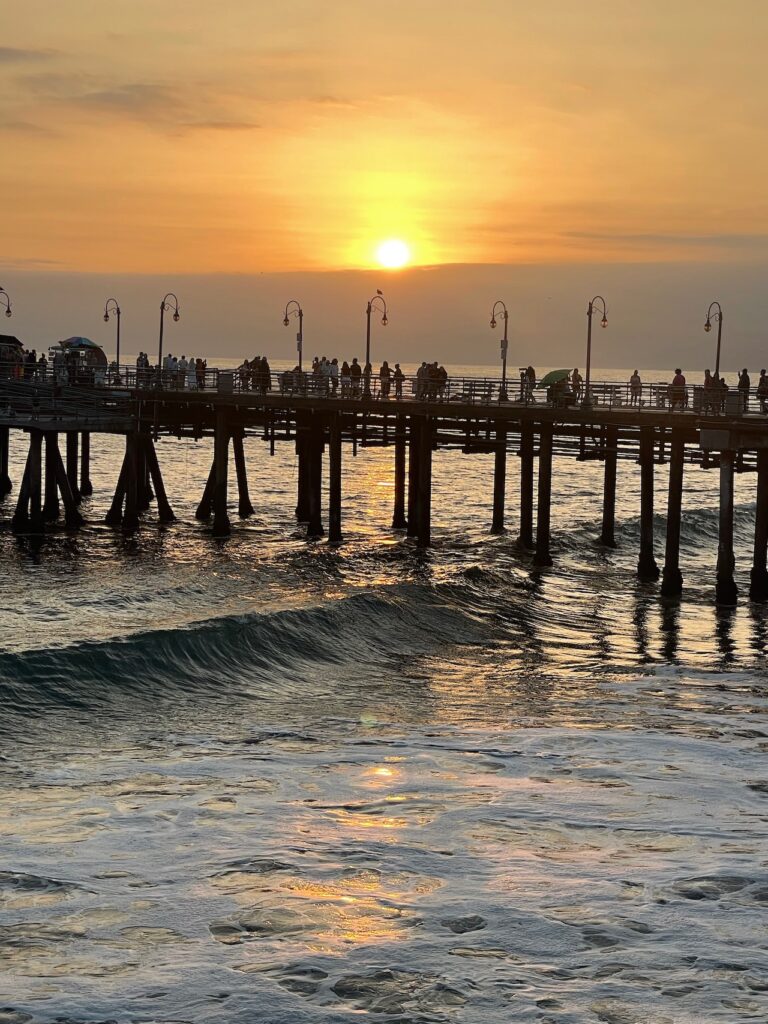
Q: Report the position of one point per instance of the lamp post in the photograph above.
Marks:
(587, 403)
(170, 302)
(380, 307)
(111, 306)
(717, 315)
(504, 344)
(6, 301)
(293, 308)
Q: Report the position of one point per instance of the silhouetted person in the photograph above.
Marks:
(744, 385)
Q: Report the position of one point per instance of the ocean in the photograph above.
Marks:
(265, 780)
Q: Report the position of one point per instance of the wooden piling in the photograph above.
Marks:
(221, 525)
(726, 592)
(206, 502)
(647, 569)
(86, 487)
(334, 480)
(499, 479)
(608, 533)
(115, 514)
(542, 554)
(72, 517)
(526, 485)
(672, 578)
(20, 521)
(132, 465)
(143, 490)
(36, 481)
(303, 482)
(399, 522)
(164, 510)
(414, 463)
(51, 507)
(758, 588)
(315, 445)
(72, 464)
(424, 514)
(244, 506)
(5, 480)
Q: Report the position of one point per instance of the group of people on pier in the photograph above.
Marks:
(255, 375)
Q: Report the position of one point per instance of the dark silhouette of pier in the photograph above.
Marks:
(473, 415)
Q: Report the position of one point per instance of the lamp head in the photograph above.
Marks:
(8, 312)
(176, 316)
(384, 320)
(708, 326)
(604, 321)
(493, 321)
(286, 321)
(106, 318)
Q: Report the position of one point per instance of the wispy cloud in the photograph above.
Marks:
(16, 55)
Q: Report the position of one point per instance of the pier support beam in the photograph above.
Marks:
(758, 589)
(86, 487)
(164, 510)
(221, 525)
(51, 503)
(672, 578)
(303, 484)
(499, 480)
(424, 512)
(526, 485)
(132, 466)
(72, 467)
(334, 481)
(608, 533)
(36, 481)
(647, 569)
(20, 521)
(414, 465)
(315, 445)
(72, 517)
(244, 506)
(726, 592)
(115, 514)
(5, 480)
(399, 522)
(206, 502)
(542, 555)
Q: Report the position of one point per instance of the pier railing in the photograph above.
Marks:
(481, 391)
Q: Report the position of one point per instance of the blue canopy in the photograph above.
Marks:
(78, 342)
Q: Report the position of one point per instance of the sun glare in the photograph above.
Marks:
(393, 254)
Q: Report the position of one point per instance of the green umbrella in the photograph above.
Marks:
(553, 377)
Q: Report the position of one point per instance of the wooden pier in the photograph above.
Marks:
(316, 420)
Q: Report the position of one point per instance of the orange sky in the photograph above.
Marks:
(180, 136)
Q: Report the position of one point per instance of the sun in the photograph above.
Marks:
(393, 254)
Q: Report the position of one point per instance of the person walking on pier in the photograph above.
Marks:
(266, 376)
(762, 390)
(677, 392)
(399, 377)
(384, 377)
(346, 380)
(635, 389)
(744, 386)
(355, 373)
(577, 382)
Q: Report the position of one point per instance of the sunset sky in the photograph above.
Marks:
(175, 137)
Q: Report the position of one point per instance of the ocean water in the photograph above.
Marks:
(264, 780)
